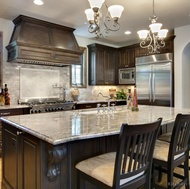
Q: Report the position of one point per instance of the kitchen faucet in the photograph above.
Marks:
(108, 99)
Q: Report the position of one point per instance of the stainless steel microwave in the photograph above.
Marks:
(127, 76)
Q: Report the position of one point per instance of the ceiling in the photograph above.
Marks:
(171, 13)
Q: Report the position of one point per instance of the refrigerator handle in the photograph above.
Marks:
(153, 87)
(150, 90)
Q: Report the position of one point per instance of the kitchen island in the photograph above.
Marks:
(40, 151)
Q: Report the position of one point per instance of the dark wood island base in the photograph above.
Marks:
(40, 151)
(31, 163)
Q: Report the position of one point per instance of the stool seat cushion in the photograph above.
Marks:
(161, 150)
(165, 137)
(102, 168)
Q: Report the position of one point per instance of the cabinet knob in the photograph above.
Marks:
(19, 132)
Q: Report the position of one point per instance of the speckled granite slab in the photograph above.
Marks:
(65, 126)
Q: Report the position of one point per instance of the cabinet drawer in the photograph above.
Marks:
(9, 112)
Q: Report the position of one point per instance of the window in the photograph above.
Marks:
(78, 72)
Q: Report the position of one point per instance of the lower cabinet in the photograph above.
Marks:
(31, 163)
(9, 112)
(94, 104)
(21, 160)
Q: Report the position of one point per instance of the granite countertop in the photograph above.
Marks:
(65, 126)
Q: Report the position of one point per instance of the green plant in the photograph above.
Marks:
(121, 94)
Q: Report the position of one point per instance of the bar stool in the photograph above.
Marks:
(170, 155)
(167, 138)
(130, 167)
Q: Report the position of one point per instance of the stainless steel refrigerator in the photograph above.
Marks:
(154, 80)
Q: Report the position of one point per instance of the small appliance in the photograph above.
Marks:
(127, 76)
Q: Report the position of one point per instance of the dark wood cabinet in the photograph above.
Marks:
(21, 160)
(126, 57)
(104, 61)
(31, 163)
(94, 104)
(139, 51)
(102, 65)
(169, 45)
(9, 112)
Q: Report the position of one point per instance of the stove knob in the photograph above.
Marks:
(46, 110)
(56, 109)
(36, 111)
(39, 111)
(50, 110)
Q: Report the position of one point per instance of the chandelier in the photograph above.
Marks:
(110, 21)
(154, 38)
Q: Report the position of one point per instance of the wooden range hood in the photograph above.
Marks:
(35, 41)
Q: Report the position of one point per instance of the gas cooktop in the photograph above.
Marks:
(42, 106)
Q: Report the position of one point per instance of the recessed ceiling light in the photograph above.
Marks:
(127, 32)
(38, 2)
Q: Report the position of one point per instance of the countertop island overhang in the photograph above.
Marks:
(62, 127)
(48, 146)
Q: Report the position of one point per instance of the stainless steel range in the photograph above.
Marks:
(38, 106)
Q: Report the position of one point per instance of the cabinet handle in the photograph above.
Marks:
(5, 113)
(19, 132)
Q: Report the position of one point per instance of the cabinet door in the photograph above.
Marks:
(100, 66)
(21, 160)
(9, 112)
(109, 67)
(10, 159)
(127, 58)
(139, 51)
(123, 63)
(168, 47)
(131, 57)
(91, 66)
(29, 161)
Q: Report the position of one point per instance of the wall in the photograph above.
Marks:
(11, 71)
(181, 63)
(186, 76)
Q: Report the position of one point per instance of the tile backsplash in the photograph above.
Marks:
(12, 76)
(39, 83)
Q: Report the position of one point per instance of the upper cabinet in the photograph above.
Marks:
(104, 61)
(101, 65)
(169, 47)
(126, 57)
